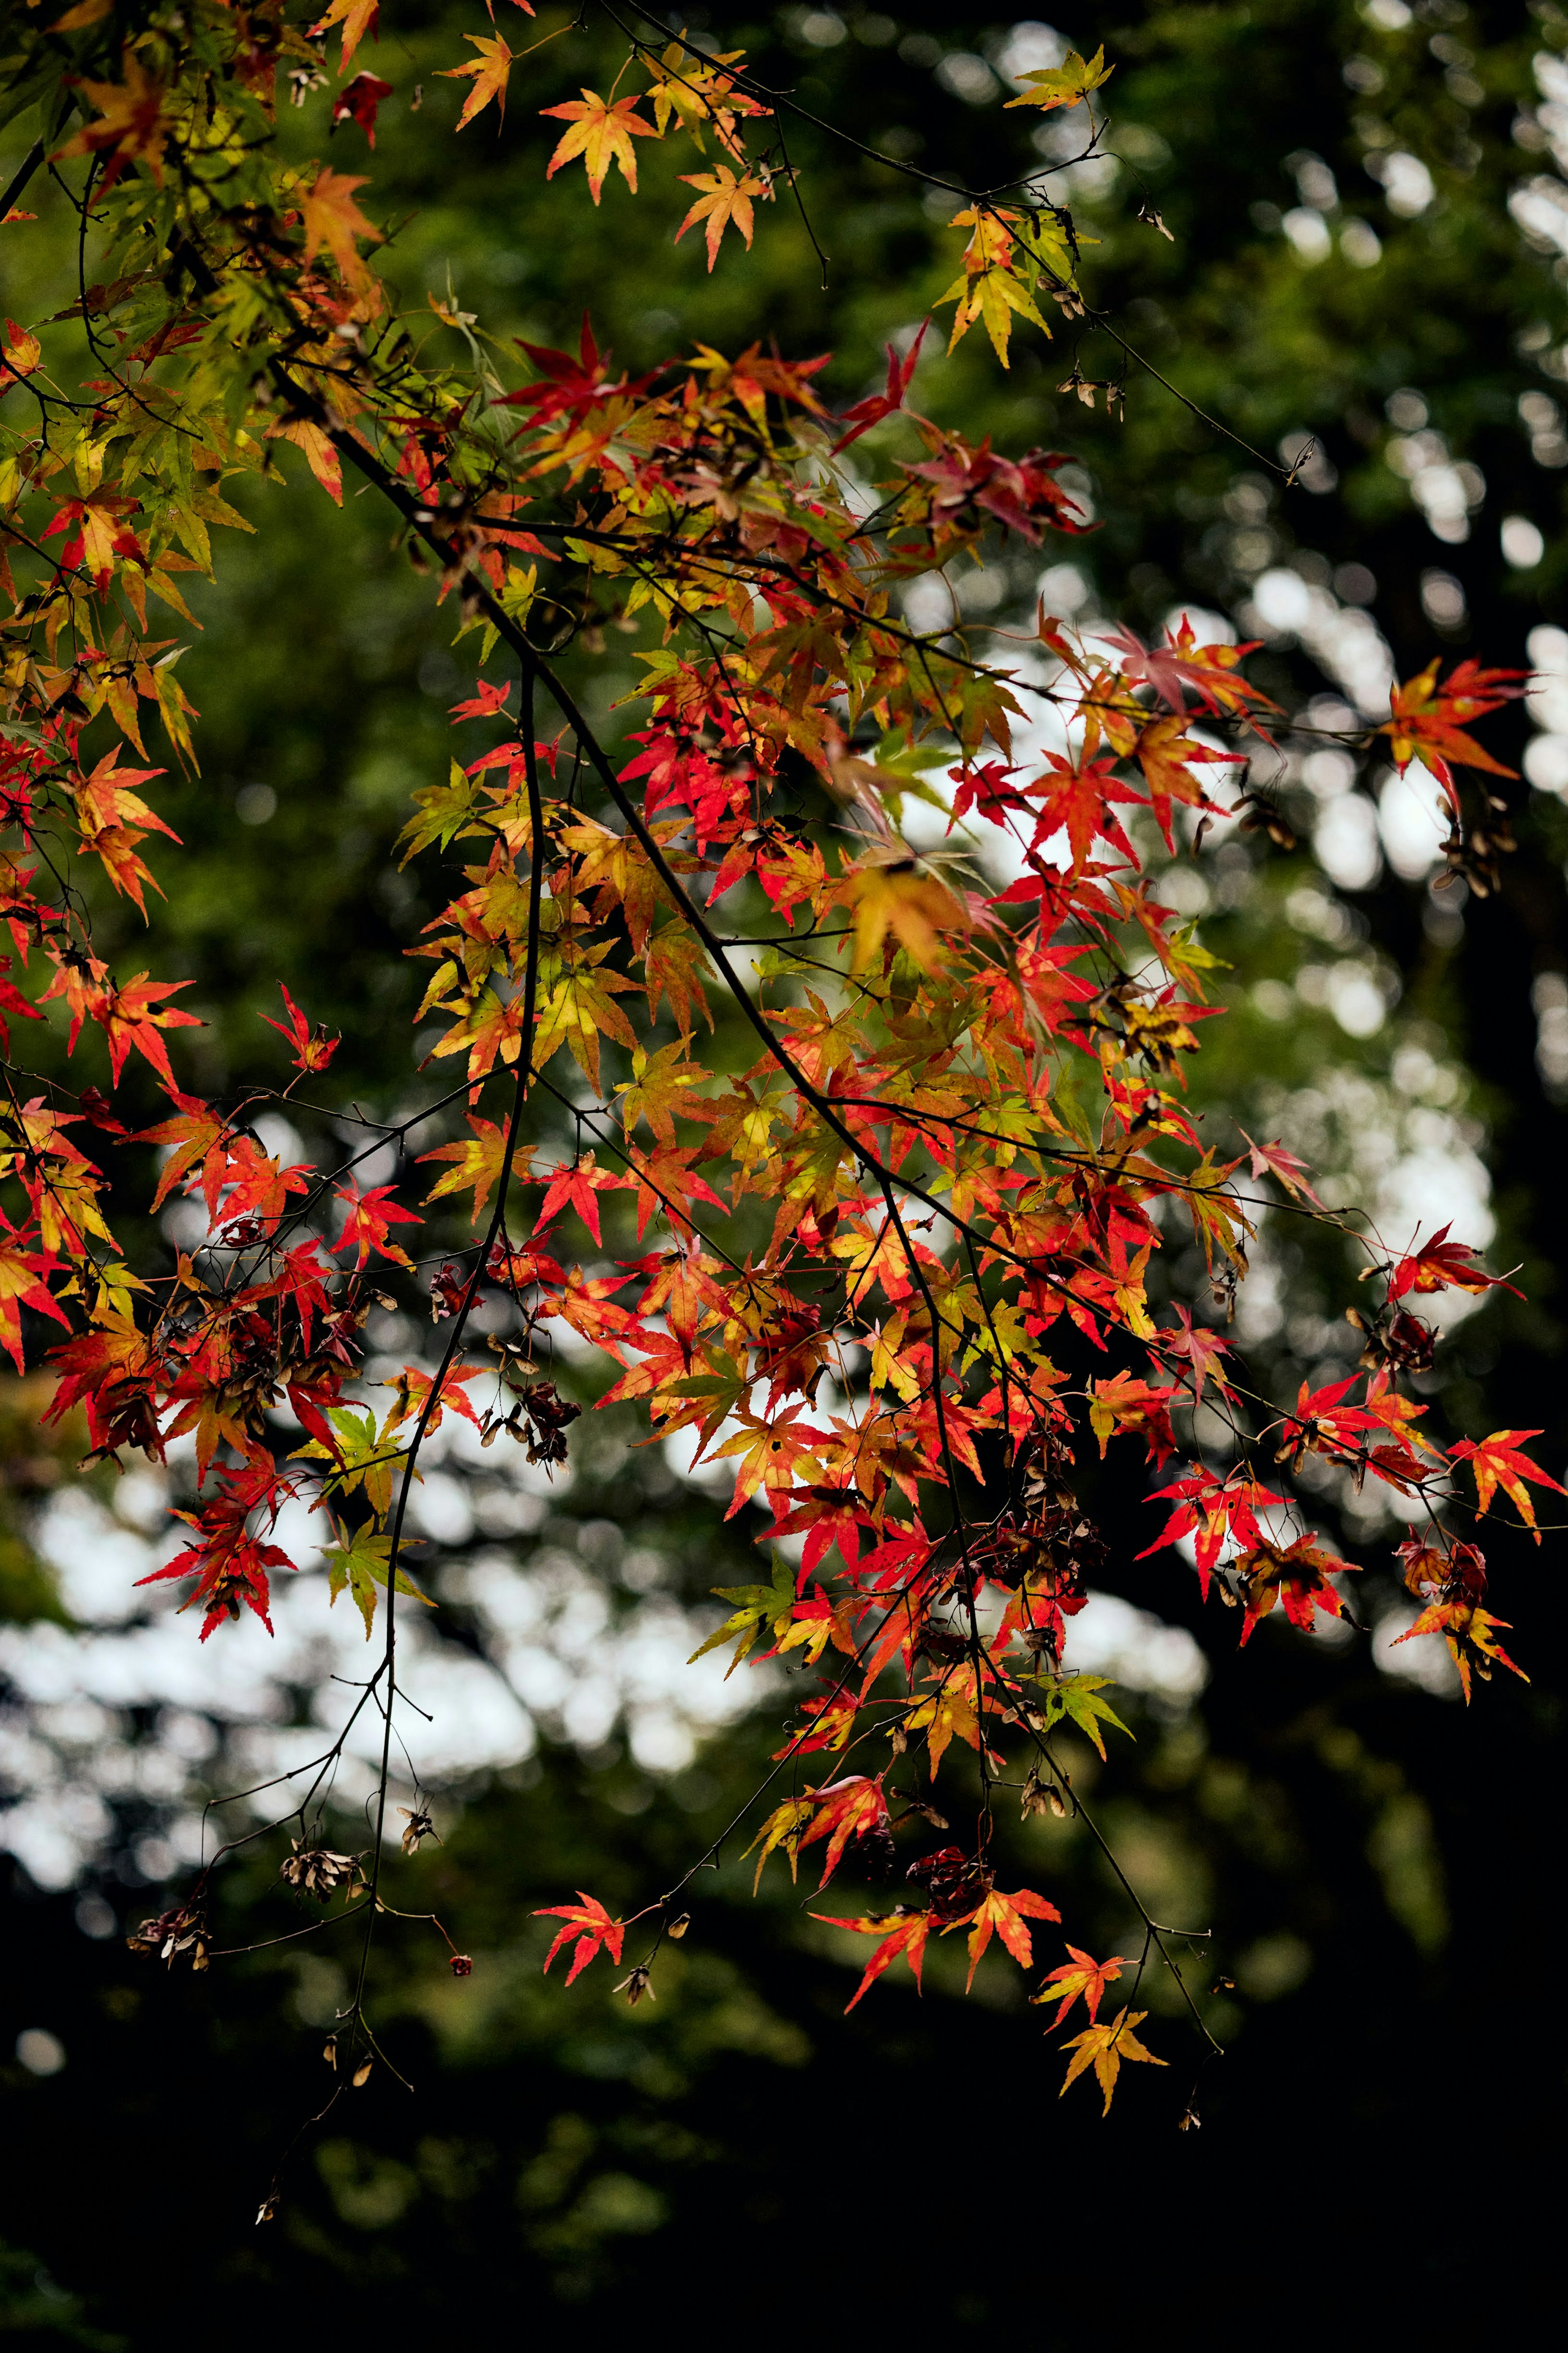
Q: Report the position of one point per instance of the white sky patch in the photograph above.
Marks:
(1109, 1637)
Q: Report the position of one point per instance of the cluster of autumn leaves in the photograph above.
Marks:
(877, 1267)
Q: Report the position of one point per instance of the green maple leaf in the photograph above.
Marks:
(1076, 1698)
(358, 1560)
(761, 1606)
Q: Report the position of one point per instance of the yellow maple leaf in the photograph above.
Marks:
(130, 125)
(332, 219)
(602, 133)
(726, 201)
(915, 907)
(1064, 85)
(1104, 2048)
(490, 72)
(357, 18)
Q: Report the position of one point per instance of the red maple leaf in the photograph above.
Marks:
(358, 100)
(906, 1934)
(1007, 1915)
(593, 1927)
(228, 1562)
(1441, 1264)
(369, 1216)
(313, 1049)
(871, 411)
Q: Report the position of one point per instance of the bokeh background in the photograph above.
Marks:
(1368, 217)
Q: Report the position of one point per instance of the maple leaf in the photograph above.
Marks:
(370, 1216)
(22, 1284)
(320, 451)
(478, 1160)
(1104, 2048)
(489, 72)
(357, 1561)
(1297, 1575)
(900, 375)
(197, 1134)
(1203, 1350)
(229, 1562)
(665, 1180)
(593, 1927)
(1079, 799)
(1212, 1509)
(853, 1808)
(726, 203)
(920, 913)
(1426, 719)
(1064, 85)
(1274, 1160)
(782, 1828)
(760, 1607)
(578, 1183)
(331, 219)
(411, 1388)
(948, 1710)
(1498, 1463)
(12, 1001)
(359, 102)
(772, 1451)
(1076, 1699)
(675, 969)
(130, 1016)
(1470, 1634)
(1009, 1915)
(130, 126)
(313, 1049)
(1439, 1264)
(1167, 755)
(24, 354)
(1123, 1402)
(357, 17)
(602, 133)
(902, 1934)
(1081, 1974)
(660, 1091)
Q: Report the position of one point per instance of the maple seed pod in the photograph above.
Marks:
(678, 1929)
(361, 2072)
(460, 1966)
(1189, 2121)
(420, 1826)
(637, 1985)
(329, 2050)
(267, 2209)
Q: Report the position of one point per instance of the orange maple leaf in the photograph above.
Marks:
(726, 203)
(320, 450)
(1083, 1975)
(602, 133)
(489, 73)
(331, 219)
(1004, 1914)
(129, 124)
(357, 18)
(1498, 1463)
